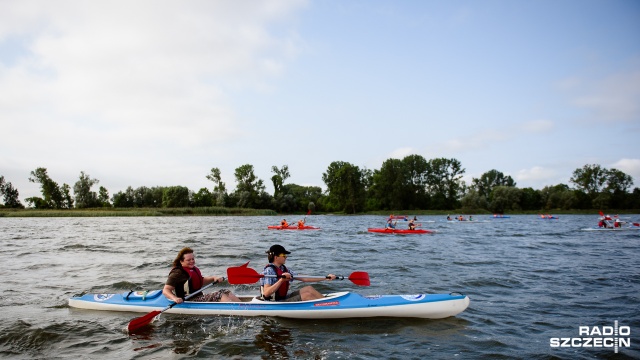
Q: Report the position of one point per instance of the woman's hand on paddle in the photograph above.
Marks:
(287, 276)
(331, 277)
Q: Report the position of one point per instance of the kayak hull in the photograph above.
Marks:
(332, 306)
(398, 231)
(466, 221)
(627, 228)
(292, 227)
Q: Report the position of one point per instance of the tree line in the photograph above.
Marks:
(411, 183)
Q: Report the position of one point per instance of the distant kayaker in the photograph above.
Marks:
(284, 223)
(390, 224)
(185, 278)
(300, 224)
(275, 285)
(412, 224)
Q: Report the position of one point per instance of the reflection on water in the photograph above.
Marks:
(275, 340)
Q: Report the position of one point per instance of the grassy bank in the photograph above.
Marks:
(103, 212)
(222, 211)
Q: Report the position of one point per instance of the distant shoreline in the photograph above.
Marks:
(220, 211)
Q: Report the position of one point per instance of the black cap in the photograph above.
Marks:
(277, 250)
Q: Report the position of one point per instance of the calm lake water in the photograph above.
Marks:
(529, 280)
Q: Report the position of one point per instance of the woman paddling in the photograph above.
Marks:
(185, 278)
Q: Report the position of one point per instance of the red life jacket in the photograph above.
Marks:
(283, 290)
(193, 284)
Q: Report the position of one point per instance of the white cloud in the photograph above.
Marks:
(630, 167)
(481, 140)
(538, 126)
(132, 85)
(536, 177)
(402, 153)
(610, 99)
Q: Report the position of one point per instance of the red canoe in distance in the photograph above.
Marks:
(292, 227)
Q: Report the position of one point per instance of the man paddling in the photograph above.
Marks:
(275, 284)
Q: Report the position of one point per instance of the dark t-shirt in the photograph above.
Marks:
(178, 278)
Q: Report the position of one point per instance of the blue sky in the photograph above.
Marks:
(156, 93)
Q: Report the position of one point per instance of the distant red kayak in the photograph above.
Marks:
(292, 227)
(399, 231)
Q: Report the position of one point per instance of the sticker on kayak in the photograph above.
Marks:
(331, 303)
(102, 297)
(373, 297)
(417, 297)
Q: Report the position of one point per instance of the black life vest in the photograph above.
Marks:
(283, 290)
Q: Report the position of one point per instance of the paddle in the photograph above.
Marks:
(142, 321)
(245, 275)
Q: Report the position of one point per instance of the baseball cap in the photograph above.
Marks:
(278, 249)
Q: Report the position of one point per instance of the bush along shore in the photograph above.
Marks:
(223, 211)
(104, 212)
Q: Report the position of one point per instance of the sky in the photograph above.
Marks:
(157, 93)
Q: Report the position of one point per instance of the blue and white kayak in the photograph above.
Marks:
(332, 306)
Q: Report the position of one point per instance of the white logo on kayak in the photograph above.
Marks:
(596, 337)
(102, 297)
(417, 297)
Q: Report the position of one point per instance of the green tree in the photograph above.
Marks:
(472, 201)
(505, 198)
(489, 180)
(530, 199)
(444, 183)
(175, 197)
(203, 198)
(416, 168)
(250, 191)
(85, 198)
(618, 185)
(390, 184)
(9, 195)
(302, 198)
(52, 197)
(103, 197)
(605, 188)
(124, 199)
(219, 189)
(558, 197)
(590, 179)
(346, 186)
(634, 199)
(67, 199)
(280, 176)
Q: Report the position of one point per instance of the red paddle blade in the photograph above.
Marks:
(360, 278)
(143, 321)
(242, 275)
